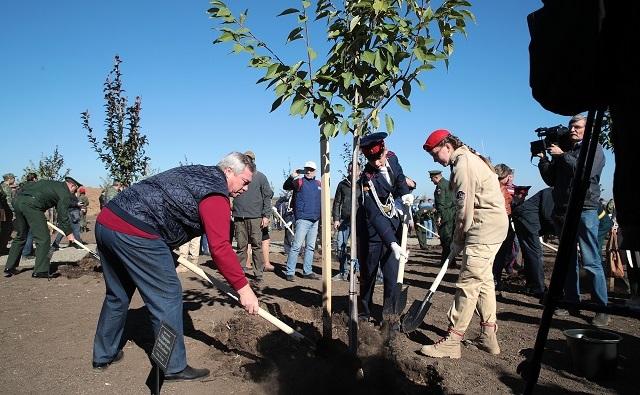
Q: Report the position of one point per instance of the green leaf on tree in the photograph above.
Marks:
(288, 11)
(403, 102)
(389, 122)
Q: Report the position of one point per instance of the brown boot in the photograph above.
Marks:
(487, 340)
(447, 347)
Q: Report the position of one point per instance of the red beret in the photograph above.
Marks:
(435, 138)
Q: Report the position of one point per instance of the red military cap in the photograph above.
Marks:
(435, 138)
(372, 145)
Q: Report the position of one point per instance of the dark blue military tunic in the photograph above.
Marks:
(378, 226)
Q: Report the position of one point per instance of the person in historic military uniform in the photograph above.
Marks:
(446, 211)
(30, 205)
(378, 220)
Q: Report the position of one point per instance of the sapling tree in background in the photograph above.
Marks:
(122, 149)
(377, 50)
(48, 168)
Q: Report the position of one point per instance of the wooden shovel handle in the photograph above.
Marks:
(221, 286)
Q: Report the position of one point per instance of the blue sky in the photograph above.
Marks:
(199, 102)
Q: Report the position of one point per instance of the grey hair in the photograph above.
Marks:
(503, 170)
(576, 118)
(237, 162)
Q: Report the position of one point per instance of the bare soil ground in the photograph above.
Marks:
(47, 329)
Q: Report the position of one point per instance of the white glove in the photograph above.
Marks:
(407, 199)
(398, 252)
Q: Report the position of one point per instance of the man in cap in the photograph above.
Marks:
(378, 222)
(251, 212)
(7, 191)
(446, 211)
(306, 208)
(30, 205)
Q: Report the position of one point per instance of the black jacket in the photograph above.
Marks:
(558, 173)
(342, 201)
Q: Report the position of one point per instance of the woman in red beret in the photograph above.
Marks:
(479, 230)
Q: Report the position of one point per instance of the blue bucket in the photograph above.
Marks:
(594, 352)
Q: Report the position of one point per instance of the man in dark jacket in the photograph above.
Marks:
(75, 215)
(341, 213)
(559, 173)
(251, 211)
(532, 219)
(306, 208)
(30, 204)
(136, 232)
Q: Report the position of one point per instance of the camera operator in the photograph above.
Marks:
(559, 173)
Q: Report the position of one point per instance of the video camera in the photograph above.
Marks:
(552, 135)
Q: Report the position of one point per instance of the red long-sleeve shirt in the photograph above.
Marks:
(215, 214)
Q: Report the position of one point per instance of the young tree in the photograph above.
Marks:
(49, 167)
(122, 147)
(378, 49)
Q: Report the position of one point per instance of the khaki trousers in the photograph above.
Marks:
(475, 287)
(191, 249)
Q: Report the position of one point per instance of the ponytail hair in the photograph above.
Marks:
(457, 143)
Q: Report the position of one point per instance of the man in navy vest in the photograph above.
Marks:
(136, 232)
(306, 208)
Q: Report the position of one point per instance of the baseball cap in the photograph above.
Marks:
(251, 155)
(310, 164)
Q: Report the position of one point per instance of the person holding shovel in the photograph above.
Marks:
(136, 233)
(479, 230)
(378, 222)
(30, 206)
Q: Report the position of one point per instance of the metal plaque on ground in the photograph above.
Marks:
(163, 347)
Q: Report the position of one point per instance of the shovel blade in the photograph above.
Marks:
(415, 316)
(401, 301)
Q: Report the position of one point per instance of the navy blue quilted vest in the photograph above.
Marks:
(167, 204)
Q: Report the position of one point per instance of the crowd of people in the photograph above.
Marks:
(478, 215)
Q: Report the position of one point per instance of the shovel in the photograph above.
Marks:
(286, 225)
(427, 230)
(418, 310)
(227, 290)
(84, 247)
(401, 291)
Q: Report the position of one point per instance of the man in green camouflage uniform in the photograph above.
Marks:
(30, 205)
(7, 188)
(110, 192)
(83, 199)
(446, 211)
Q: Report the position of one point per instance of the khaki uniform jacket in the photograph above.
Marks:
(481, 217)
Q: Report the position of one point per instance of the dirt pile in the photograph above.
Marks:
(87, 266)
(251, 349)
